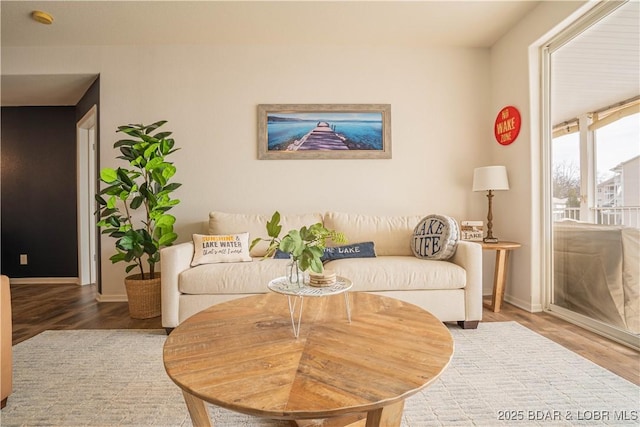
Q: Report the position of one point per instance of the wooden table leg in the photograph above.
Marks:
(499, 279)
(197, 410)
(387, 416)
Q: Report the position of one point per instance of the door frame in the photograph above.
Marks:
(86, 162)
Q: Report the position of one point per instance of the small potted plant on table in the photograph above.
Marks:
(304, 246)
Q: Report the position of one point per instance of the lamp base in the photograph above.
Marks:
(490, 240)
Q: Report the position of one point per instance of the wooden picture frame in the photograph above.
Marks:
(324, 131)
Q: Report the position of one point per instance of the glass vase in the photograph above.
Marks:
(293, 273)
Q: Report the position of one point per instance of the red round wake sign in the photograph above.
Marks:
(507, 126)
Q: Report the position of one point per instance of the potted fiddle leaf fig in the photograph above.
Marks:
(133, 210)
(304, 246)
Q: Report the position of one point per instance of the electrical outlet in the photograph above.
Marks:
(23, 259)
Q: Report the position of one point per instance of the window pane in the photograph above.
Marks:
(618, 171)
(566, 176)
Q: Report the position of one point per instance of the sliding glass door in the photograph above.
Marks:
(593, 196)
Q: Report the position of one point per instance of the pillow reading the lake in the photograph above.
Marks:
(355, 250)
(210, 249)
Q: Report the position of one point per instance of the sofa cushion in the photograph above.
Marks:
(231, 278)
(390, 234)
(392, 273)
(256, 225)
(208, 249)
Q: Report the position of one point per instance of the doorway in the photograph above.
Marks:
(86, 131)
(592, 164)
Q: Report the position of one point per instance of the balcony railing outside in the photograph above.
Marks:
(628, 215)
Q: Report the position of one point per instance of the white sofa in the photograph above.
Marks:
(451, 289)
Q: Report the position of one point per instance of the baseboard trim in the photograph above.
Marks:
(111, 298)
(525, 305)
(44, 281)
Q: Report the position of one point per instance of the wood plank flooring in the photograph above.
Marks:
(37, 308)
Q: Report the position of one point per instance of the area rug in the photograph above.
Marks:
(501, 374)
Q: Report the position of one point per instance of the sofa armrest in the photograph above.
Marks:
(469, 256)
(173, 261)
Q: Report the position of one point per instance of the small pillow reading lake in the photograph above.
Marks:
(435, 237)
(355, 250)
(210, 249)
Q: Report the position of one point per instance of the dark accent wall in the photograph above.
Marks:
(38, 174)
(90, 98)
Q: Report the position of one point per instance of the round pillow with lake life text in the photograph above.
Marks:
(435, 237)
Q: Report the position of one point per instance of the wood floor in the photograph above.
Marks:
(37, 308)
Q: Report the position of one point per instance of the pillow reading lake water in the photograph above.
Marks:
(210, 249)
(435, 237)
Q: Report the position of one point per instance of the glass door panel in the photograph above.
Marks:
(594, 163)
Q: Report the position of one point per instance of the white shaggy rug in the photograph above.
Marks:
(501, 374)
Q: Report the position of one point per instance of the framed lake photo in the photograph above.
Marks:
(324, 131)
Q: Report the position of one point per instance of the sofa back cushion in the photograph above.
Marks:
(390, 234)
(256, 225)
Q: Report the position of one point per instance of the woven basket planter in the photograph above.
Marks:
(144, 296)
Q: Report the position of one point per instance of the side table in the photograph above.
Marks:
(500, 274)
(281, 285)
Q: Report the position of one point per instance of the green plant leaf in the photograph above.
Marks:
(114, 221)
(157, 177)
(128, 154)
(111, 202)
(117, 257)
(167, 239)
(165, 221)
(124, 143)
(154, 126)
(254, 242)
(151, 149)
(171, 187)
(108, 175)
(168, 171)
(273, 226)
(316, 265)
(162, 135)
(101, 201)
(154, 163)
(136, 202)
(166, 145)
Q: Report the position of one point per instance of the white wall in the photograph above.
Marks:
(515, 80)
(440, 100)
(444, 102)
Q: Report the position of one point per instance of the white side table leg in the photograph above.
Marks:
(346, 301)
(292, 309)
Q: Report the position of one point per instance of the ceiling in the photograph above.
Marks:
(476, 24)
(601, 67)
(451, 23)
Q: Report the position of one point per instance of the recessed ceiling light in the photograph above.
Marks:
(42, 17)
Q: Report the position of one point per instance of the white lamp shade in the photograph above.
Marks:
(490, 178)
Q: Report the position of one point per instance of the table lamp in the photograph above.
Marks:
(490, 179)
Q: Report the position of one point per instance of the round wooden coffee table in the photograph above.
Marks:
(241, 355)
